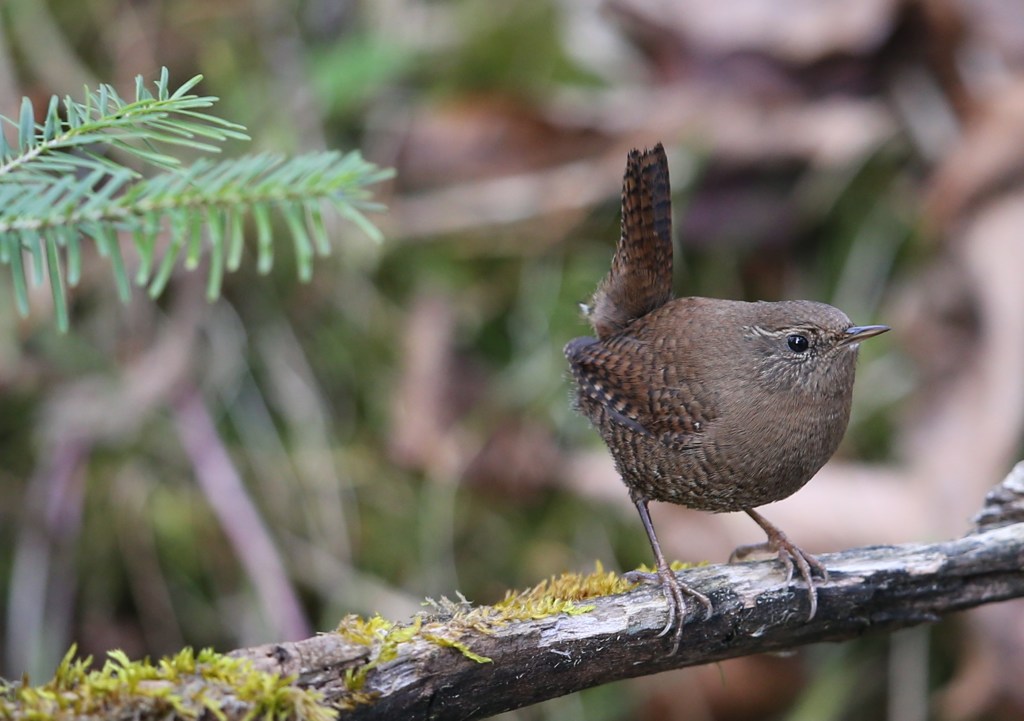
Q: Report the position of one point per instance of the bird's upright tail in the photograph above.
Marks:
(640, 278)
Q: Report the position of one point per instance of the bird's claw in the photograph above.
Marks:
(673, 589)
(791, 556)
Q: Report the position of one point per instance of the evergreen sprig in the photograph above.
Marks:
(65, 180)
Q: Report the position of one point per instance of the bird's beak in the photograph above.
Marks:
(862, 332)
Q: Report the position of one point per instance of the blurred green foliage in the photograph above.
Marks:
(301, 379)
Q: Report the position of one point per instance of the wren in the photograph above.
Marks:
(717, 405)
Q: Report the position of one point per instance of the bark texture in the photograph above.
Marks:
(869, 589)
(456, 665)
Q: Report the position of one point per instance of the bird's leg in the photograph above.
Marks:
(789, 553)
(670, 583)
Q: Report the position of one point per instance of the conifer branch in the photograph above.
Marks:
(60, 183)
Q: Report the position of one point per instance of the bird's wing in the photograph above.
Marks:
(639, 394)
(640, 278)
(602, 379)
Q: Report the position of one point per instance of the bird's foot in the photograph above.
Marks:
(673, 589)
(791, 556)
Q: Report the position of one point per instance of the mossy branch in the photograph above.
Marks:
(460, 661)
(186, 686)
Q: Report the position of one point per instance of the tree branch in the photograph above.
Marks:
(880, 588)
(466, 662)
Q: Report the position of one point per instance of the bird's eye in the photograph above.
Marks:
(797, 343)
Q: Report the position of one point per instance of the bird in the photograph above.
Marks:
(714, 404)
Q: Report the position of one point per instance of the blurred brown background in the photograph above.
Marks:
(183, 473)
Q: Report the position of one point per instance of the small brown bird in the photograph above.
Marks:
(717, 405)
